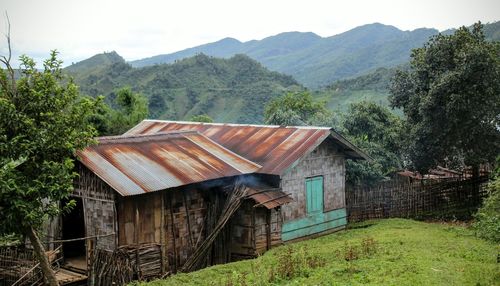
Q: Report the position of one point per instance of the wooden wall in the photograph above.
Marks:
(98, 200)
(160, 230)
(254, 230)
(185, 213)
(173, 220)
(243, 231)
(268, 225)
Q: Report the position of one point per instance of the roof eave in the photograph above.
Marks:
(351, 151)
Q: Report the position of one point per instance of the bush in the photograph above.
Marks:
(487, 224)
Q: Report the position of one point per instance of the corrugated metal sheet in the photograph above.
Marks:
(139, 164)
(276, 148)
(269, 198)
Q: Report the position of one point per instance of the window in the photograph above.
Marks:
(314, 194)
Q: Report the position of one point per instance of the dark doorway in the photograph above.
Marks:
(73, 226)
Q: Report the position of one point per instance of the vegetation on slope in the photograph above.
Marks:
(371, 87)
(227, 90)
(315, 61)
(487, 219)
(384, 252)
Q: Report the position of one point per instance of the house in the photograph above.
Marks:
(309, 161)
(159, 196)
(178, 196)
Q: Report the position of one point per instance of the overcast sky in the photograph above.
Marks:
(136, 29)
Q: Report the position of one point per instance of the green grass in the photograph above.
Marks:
(382, 252)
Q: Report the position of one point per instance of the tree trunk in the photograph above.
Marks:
(49, 275)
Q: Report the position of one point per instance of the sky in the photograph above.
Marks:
(136, 29)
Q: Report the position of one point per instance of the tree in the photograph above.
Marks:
(156, 105)
(201, 118)
(377, 131)
(451, 99)
(297, 108)
(43, 122)
(130, 109)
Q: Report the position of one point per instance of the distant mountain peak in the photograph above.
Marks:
(316, 61)
(112, 57)
(97, 61)
(229, 40)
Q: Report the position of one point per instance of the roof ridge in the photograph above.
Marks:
(141, 137)
(235, 124)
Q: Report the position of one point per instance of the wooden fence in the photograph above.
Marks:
(450, 198)
(110, 268)
(18, 266)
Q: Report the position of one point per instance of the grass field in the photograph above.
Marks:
(382, 252)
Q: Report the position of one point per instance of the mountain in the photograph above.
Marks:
(95, 64)
(492, 31)
(350, 67)
(372, 87)
(228, 90)
(315, 61)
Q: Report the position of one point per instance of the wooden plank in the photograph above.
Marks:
(163, 225)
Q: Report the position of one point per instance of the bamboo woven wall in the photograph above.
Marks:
(99, 208)
(185, 215)
(451, 198)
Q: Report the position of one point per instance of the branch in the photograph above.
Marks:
(6, 62)
(8, 36)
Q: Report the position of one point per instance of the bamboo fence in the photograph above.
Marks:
(18, 265)
(444, 199)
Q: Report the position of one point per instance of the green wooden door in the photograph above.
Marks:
(314, 194)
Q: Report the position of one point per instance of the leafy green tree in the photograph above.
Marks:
(43, 122)
(156, 105)
(130, 109)
(377, 131)
(451, 98)
(201, 118)
(297, 108)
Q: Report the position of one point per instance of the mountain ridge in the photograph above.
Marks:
(228, 90)
(317, 61)
(314, 60)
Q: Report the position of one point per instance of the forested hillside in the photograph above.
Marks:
(372, 87)
(228, 90)
(236, 89)
(315, 61)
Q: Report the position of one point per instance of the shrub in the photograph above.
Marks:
(487, 224)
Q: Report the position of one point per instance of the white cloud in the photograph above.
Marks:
(137, 29)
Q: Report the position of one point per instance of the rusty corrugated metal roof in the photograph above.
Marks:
(145, 163)
(269, 198)
(276, 148)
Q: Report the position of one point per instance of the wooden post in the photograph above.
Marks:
(173, 232)
(162, 234)
(136, 239)
(268, 229)
(188, 221)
